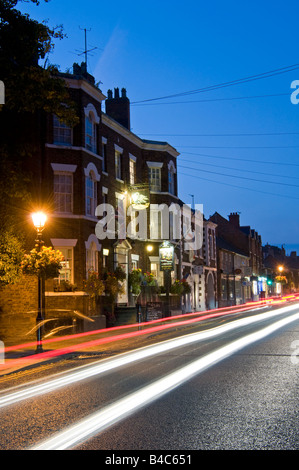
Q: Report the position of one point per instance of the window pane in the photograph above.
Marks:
(63, 192)
(62, 134)
(155, 179)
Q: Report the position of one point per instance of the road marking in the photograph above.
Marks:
(103, 419)
(102, 366)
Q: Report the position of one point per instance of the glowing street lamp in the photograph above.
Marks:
(280, 269)
(39, 221)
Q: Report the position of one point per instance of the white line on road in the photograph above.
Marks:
(123, 408)
(102, 366)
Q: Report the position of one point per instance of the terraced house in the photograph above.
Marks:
(80, 172)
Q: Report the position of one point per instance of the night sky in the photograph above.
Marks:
(211, 78)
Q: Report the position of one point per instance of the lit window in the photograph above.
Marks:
(92, 259)
(63, 192)
(155, 179)
(132, 171)
(66, 272)
(155, 224)
(62, 134)
(91, 194)
(118, 169)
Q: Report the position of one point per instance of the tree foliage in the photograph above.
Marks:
(11, 254)
(30, 91)
(28, 86)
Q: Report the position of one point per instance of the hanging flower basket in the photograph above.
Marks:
(119, 273)
(149, 279)
(135, 281)
(281, 279)
(180, 287)
(177, 288)
(45, 263)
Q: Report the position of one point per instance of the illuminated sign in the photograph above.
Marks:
(166, 256)
(139, 201)
(139, 196)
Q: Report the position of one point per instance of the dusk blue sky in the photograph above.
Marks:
(227, 138)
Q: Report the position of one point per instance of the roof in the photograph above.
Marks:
(224, 245)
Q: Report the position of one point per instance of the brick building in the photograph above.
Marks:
(77, 171)
(99, 161)
(240, 260)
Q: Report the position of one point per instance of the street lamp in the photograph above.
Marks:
(39, 221)
(280, 269)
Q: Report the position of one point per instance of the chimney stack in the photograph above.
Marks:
(118, 107)
(234, 219)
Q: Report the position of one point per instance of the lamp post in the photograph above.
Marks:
(39, 221)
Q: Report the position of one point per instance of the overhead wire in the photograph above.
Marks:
(248, 170)
(250, 134)
(240, 187)
(212, 100)
(239, 147)
(259, 76)
(239, 177)
(242, 159)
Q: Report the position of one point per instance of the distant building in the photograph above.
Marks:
(281, 269)
(240, 260)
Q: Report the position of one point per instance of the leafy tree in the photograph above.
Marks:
(11, 254)
(31, 91)
(28, 86)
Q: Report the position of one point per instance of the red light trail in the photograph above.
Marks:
(199, 316)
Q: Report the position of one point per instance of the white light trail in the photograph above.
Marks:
(102, 366)
(116, 412)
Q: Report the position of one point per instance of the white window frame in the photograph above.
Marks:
(66, 245)
(64, 206)
(117, 165)
(171, 178)
(62, 133)
(154, 170)
(91, 121)
(104, 154)
(90, 194)
(132, 169)
(91, 175)
(92, 247)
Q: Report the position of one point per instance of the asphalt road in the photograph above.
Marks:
(171, 400)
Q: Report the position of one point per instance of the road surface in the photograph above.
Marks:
(230, 385)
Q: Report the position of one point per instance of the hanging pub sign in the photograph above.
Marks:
(139, 196)
(166, 256)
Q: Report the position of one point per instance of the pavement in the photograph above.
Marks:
(90, 345)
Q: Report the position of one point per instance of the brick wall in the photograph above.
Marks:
(18, 305)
